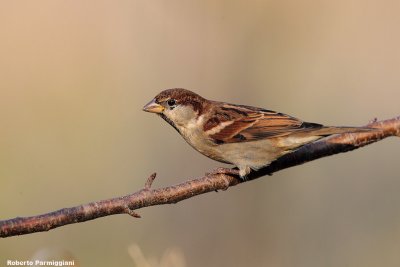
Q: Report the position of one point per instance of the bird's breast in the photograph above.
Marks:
(197, 138)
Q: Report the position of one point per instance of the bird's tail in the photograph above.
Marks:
(330, 130)
(314, 131)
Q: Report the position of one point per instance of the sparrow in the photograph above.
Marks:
(248, 137)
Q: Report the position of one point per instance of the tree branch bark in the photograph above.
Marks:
(210, 182)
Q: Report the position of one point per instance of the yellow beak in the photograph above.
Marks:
(153, 107)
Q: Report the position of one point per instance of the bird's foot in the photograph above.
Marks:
(221, 170)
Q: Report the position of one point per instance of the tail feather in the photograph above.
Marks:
(314, 131)
(328, 130)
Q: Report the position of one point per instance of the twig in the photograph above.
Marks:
(150, 181)
(172, 194)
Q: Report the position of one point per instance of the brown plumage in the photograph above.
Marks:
(245, 136)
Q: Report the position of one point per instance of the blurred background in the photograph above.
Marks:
(76, 74)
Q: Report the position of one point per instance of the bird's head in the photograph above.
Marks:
(179, 107)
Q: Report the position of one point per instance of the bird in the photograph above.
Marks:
(247, 137)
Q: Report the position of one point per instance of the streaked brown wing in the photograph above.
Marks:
(250, 124)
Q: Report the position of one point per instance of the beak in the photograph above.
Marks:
(153, 107)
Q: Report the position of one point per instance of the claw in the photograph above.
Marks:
(222, 170)
(373, 120)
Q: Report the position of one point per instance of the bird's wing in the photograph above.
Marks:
(237, 123)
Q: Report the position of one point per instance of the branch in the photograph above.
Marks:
(210, 182)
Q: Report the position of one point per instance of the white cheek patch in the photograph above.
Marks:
(182, 116)
(219, 127)
(170, 114)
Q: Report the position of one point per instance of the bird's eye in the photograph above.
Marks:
(171, 102)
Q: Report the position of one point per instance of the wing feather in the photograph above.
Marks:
(250, 124)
